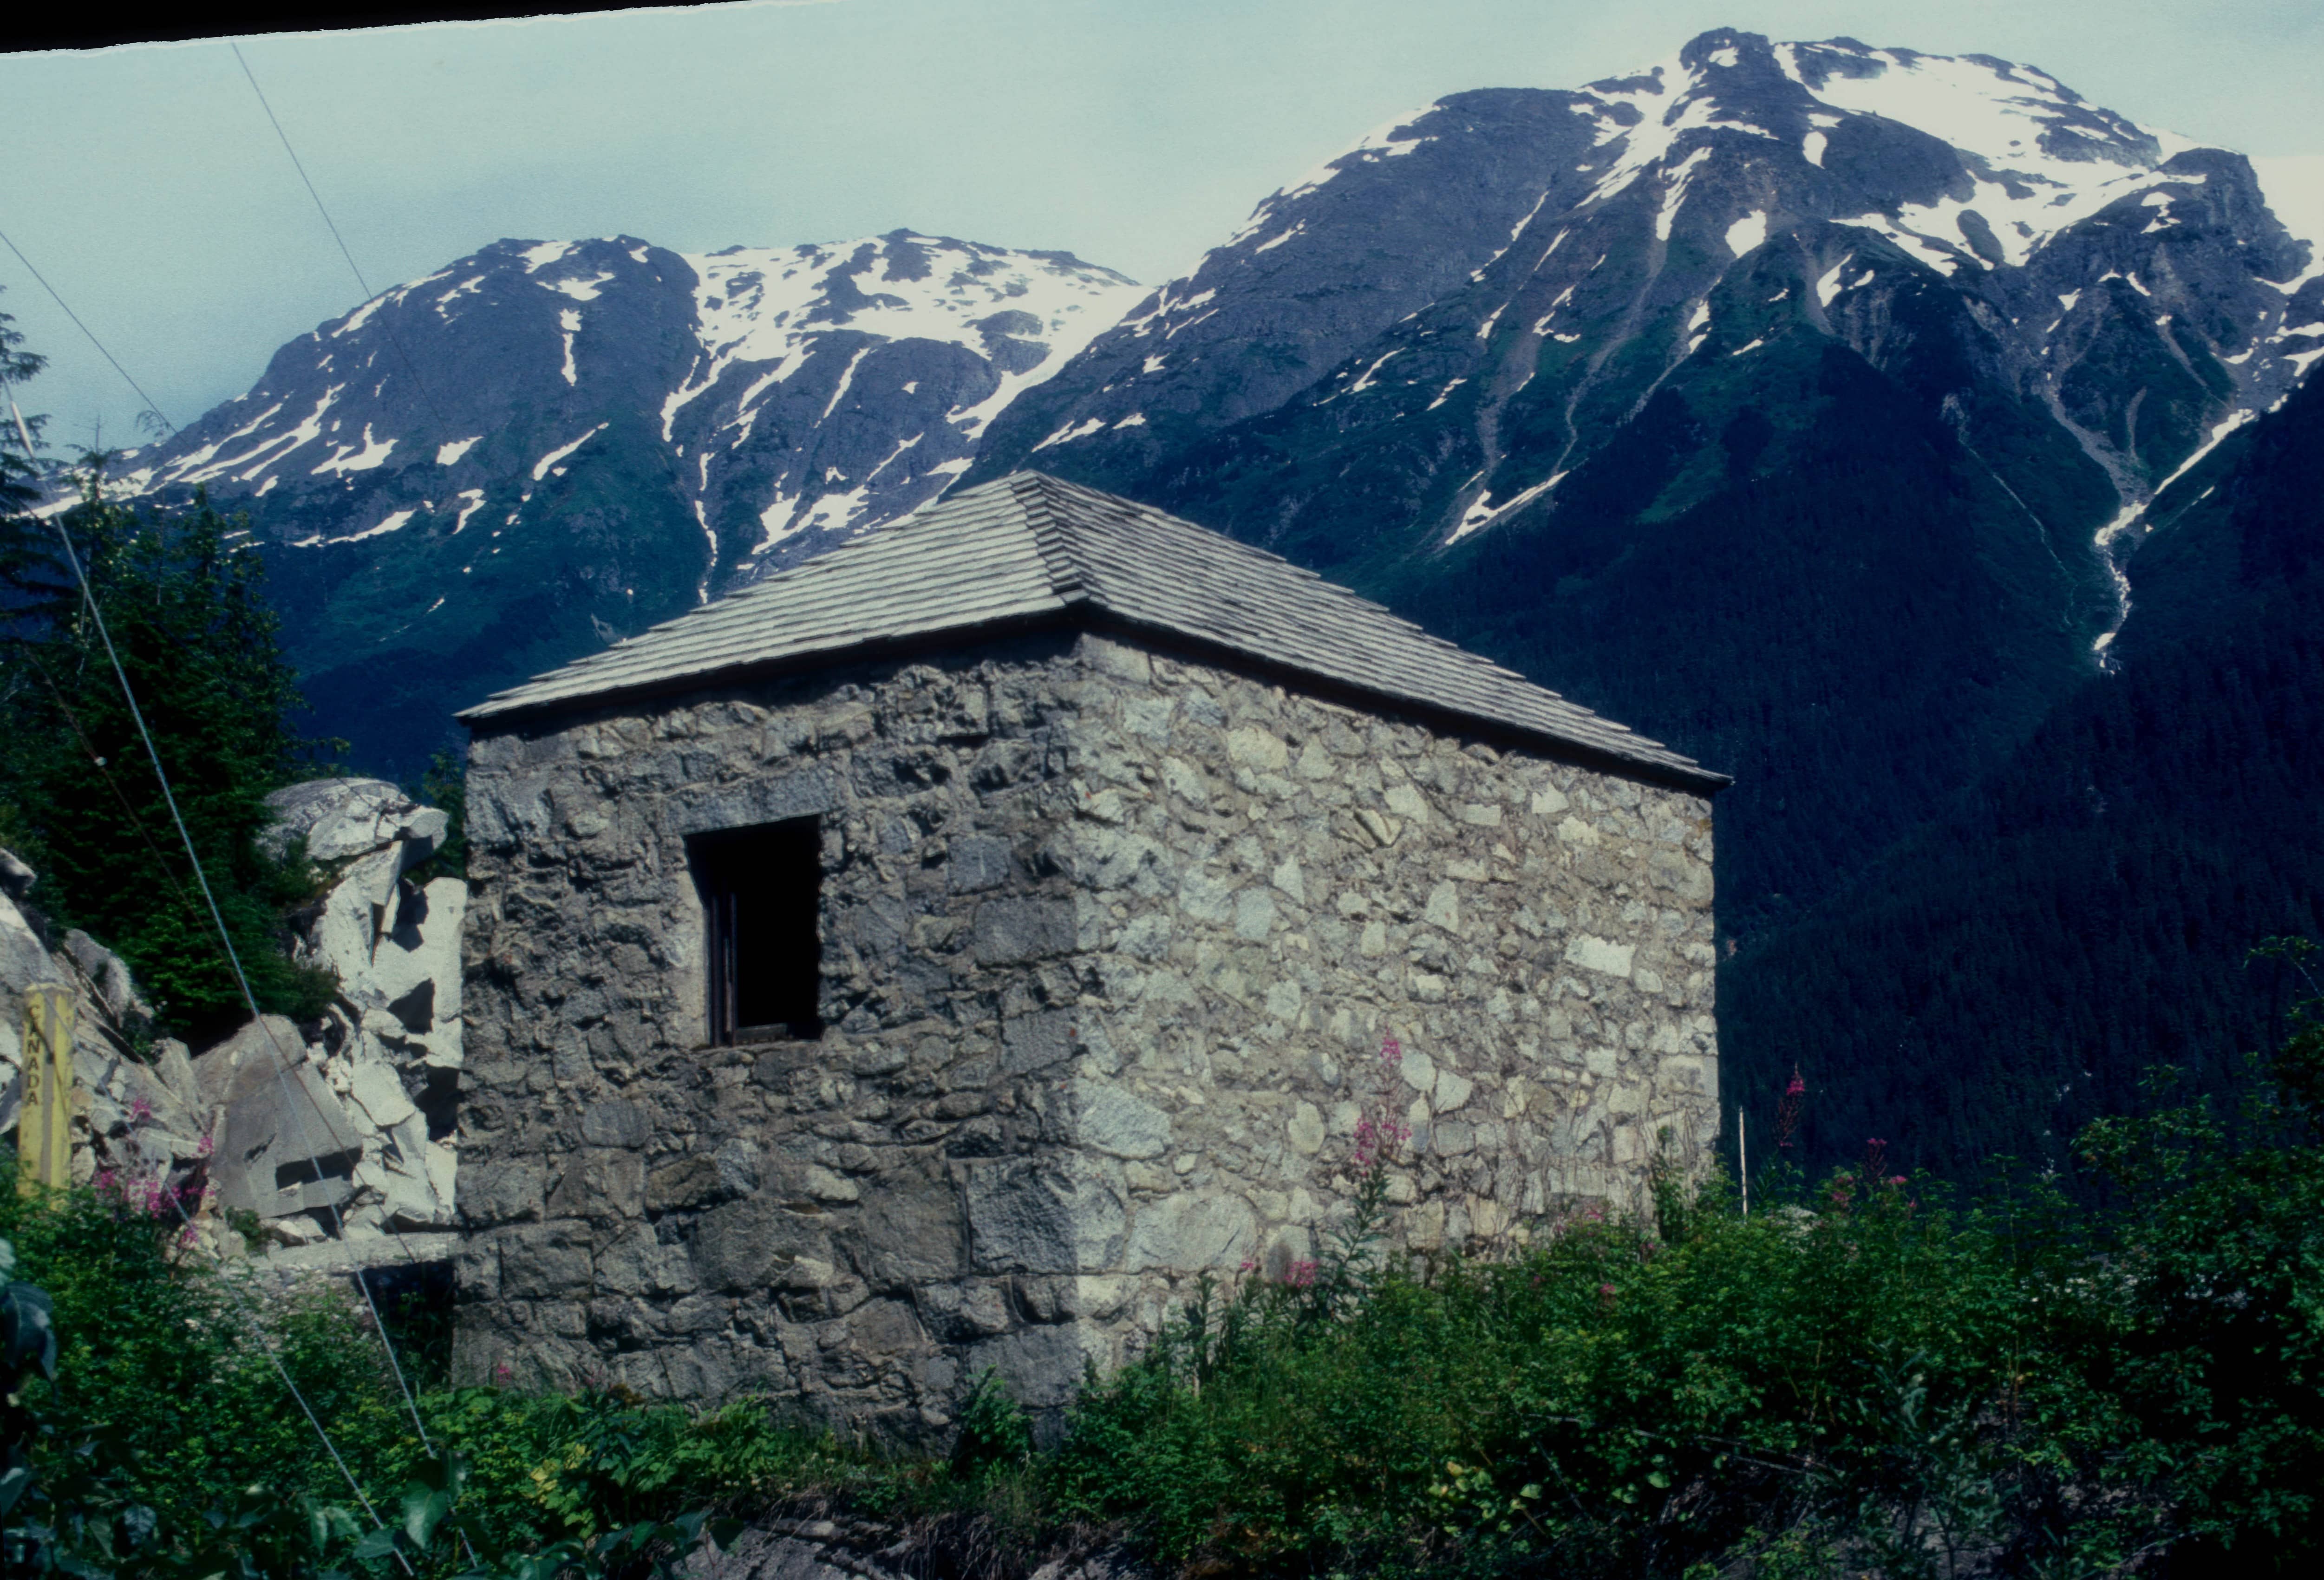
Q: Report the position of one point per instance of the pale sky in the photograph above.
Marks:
(144, 183)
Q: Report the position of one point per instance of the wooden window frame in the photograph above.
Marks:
(731, 867)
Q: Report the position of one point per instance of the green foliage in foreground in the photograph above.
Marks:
(162, 1440)
(1865, 1379)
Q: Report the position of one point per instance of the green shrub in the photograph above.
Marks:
(168, 1408)
(1865, 1376)
(170, 1358)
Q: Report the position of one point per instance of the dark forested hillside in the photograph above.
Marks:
(1846, 634)
(2085, 911)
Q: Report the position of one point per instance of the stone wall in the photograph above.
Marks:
(1111, 940)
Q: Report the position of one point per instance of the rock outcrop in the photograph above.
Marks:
(379, 1072)
(339, 1130)
(136, 1119)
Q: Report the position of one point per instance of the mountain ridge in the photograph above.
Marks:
(1725, 97)
(549, 445)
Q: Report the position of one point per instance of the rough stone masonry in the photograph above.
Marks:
(1111, 932)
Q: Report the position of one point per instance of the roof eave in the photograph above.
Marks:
(492, 712)
(1085, 614)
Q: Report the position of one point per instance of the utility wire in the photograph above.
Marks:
(24, 436)
(150, 405)
(427, 400)
(137, 715)
(301, 169)
(418, 383)
(233, 959)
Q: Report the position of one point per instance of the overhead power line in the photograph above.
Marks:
(242, 980)
(426, 399)
(168, 798)
(150, 404)
(304, 179)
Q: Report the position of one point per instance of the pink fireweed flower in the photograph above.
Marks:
(1375, 1136)
(1301, 1276)
(139, 1110)
(1391, 1050)
(1787, 1112)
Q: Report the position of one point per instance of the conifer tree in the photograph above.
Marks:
(181, 591)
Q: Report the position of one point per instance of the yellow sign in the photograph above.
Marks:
(43, 1129)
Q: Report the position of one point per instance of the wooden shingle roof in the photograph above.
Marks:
(1031, 550)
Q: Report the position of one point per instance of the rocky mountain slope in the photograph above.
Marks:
(1506, 278)
(546, 446)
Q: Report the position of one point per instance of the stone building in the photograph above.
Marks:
(939, 954)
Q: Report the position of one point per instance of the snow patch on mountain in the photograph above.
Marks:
(2294, 185)
(358, 457)
(541, 468)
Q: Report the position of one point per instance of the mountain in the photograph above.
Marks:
(544, 446)
(1516, 272)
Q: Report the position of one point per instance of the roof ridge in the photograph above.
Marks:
(1055, 538)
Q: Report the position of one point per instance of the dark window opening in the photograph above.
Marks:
(761, 894)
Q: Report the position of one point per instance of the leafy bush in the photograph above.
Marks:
(2212, 1344)
(161, 1439)
(1862, 1377)
(168, 1361)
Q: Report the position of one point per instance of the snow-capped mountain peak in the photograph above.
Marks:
(548, 444)
(1529, 266)
(796, 391)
